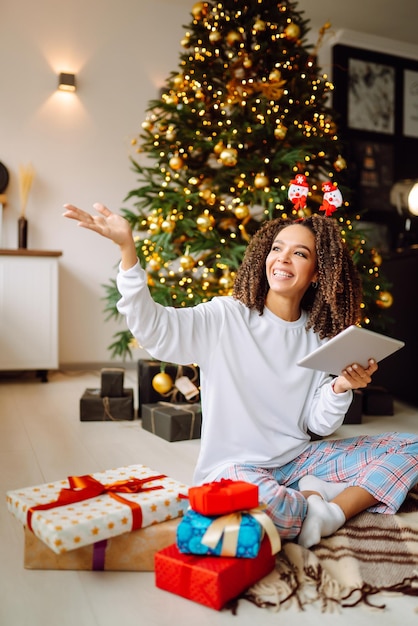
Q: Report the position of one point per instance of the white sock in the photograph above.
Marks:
(322, 519)
(328, 490)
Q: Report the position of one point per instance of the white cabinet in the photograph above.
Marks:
(29, 310)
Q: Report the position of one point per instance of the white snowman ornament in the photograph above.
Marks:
(332, 199)
(298, 191)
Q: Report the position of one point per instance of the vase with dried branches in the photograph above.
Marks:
(26, 176)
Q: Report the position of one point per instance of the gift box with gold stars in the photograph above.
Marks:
(82, 510)
(130, 552)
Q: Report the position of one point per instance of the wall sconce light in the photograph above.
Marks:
(66, 82)
(404, 196)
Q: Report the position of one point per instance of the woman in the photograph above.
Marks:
(296, 288)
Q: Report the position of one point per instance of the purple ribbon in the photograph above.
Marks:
(99, 555)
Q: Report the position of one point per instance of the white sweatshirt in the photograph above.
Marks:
(257, 404)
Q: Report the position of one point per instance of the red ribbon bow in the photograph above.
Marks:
(299, 202)
(328, 208)
(86, 487)
(219, 485)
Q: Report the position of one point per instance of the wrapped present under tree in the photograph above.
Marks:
(172, 422)
(82, 510)
(223, 496)
(134, 551)
(238, 534)
(158, 381)
(210, 580)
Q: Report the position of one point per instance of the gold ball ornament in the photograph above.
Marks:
(178, 81)
(168, 225)
(233, 38)
(229, 157)
(340, 163)
(275, 75)
(377, 258)
(187, 262)
(302, 213)
(154, 228)
(259, 25)
(247, 62)
(241, 211)
(219, 147)
(226, 281)
(280, 132)
(261, 181)
(162, 382)
(185, 42)
(292, 31)
(205, 194)
(170, 134)
(176, 162)
(171, 99)
(154, 264)
(205, 222)
(385, 300)
(147, 125)
(215, 36)
(199, 9)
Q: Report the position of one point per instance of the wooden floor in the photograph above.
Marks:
(42, 440)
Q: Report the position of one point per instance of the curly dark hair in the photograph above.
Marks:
(335, 303)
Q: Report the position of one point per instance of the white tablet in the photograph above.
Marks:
(352, 345)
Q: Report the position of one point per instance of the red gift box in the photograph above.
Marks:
(223, 496)
(210, 580)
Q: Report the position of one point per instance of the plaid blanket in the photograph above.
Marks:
(370, 554)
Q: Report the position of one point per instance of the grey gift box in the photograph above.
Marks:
(172, 422)
(96, 408)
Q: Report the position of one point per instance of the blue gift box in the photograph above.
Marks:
(241, 531)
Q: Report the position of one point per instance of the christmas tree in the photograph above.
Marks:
(246, 114)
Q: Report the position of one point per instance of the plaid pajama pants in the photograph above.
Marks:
(385, 465)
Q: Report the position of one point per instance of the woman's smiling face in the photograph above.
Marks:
(291, 265)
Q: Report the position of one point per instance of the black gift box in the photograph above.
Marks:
(377, 401)
(172, 422)
(95, 408)
(112, 382)
(148, 368)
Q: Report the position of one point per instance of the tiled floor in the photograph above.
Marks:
(42, 439)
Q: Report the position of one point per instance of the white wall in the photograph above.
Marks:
(79, 144)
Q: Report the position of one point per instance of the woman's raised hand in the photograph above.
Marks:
(109, 225)
(106, 223)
